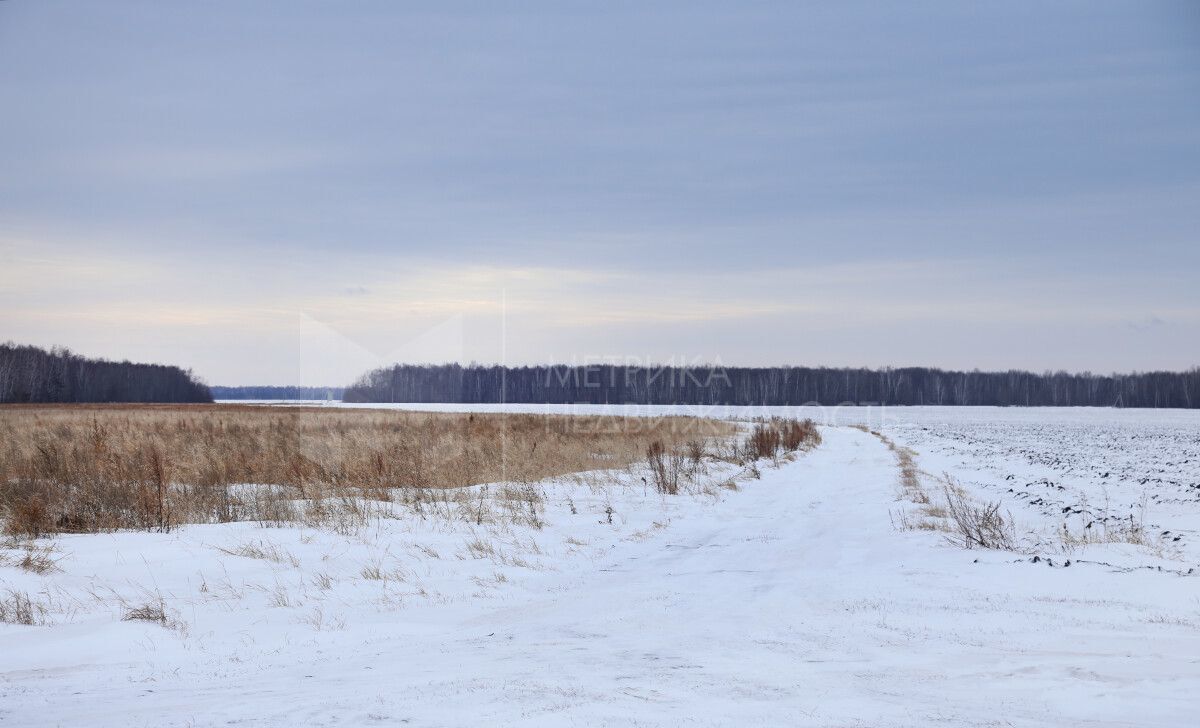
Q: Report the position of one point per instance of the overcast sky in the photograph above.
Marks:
(294, 192)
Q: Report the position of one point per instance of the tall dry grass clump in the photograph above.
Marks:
(773, 437)
(88, 468)
(978, 525)
(666, 467)
(19, 608)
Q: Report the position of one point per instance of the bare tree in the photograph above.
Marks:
(619, 384)
(30, 374)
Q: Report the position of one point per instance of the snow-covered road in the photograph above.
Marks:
(793, 601)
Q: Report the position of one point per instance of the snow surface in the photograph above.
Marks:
(790, 601)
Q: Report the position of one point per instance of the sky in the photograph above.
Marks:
(296, 192)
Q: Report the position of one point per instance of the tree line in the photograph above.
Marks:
(277, 392)
(715, 385)
(31, 374)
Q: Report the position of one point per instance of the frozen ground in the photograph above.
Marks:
(790, 601)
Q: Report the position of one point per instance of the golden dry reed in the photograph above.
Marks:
(87, 468)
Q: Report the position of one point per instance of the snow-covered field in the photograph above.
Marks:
(792, 600)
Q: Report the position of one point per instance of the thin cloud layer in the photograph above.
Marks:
(291, 192)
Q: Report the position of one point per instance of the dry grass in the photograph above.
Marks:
(19, 608)
(263, 550)
(666, 467)
(905, 521)
(671, 466)
(776, 436)
(906, 460)
(965, 523)
(978, 526)
(149, 612)
(32, 557)
(1104, 527)
(89, 468)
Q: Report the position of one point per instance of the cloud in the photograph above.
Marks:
(769, 183)
(168, 164)
(1147, 323)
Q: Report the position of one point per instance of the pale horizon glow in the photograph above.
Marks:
(294, 193)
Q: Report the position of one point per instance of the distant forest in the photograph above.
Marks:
(614, 384)
(268, 392)
(30, 374)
